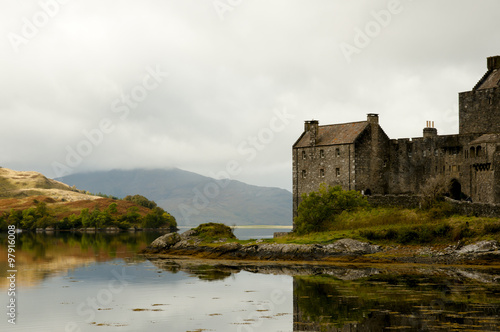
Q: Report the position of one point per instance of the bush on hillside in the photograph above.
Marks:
(318, 210)
(141, 200)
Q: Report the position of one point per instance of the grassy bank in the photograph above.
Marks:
(388, 226)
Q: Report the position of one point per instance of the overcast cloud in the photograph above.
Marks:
(242, 77)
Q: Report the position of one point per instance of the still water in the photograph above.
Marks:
(99, 282)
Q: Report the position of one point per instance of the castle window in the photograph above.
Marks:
(337, 172)
(337, 152)
(436, 152)
(322, 153)
(304, 155)
(472, 152)
(304, 173)
(479, 151)
(322, 173)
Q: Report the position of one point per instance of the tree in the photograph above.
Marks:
(434, 190)
(158, 218)
(318, 210)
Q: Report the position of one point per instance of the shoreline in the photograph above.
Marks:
(342, 251)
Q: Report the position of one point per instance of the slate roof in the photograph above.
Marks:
(490, 80)
(486, 138)
(344, 133)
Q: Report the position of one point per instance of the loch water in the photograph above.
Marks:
(100, 282)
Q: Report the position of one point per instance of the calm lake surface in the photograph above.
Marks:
(98, 282)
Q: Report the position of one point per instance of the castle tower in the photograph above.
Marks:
(479, 109)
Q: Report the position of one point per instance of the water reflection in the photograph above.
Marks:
(42, 255)
(410, 302)
(329, 298)
(189, 295)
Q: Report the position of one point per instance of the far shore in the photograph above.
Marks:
(249, 227)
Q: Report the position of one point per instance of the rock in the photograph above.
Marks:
(166, 241)
(350, 246)
(479, 247)
(188, 234)
(229, 247)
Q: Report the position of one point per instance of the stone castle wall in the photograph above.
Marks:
(478, 111)
(459, 207)
(315, 165)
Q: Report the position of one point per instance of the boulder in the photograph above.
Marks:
(350, 246)
(479, 247)
(188, 234)
(166, 241)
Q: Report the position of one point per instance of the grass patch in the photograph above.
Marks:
(403, 226)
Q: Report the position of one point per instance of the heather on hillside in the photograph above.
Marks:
(57, 216)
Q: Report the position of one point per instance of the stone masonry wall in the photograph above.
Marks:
(479, 111)
(315, 165)
(413, 201)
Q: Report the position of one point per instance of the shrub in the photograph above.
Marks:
(408, 236)
(491, 227)
(442, 230)
(318, 210)
(213, 231)
(462, 231)
(440, 210)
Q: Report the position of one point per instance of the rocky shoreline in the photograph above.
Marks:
(344, 250)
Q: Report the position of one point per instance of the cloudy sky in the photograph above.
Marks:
(224, 86)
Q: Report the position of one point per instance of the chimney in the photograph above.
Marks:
(429, 130)
(493, 62)
(372, 118)
(312, 127)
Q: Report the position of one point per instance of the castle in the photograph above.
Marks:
(360, 156)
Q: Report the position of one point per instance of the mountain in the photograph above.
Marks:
(192, 198)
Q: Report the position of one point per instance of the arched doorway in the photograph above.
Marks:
(455, 189)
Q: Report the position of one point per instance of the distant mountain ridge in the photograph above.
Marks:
(192, 198)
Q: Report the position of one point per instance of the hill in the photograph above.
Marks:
(192, 198)
(17, 184)
(30, 200)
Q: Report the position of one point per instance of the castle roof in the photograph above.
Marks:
(344, 133)
(490, 80)
(492, 77)
(486, 138)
